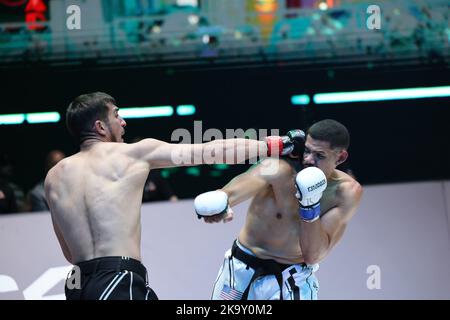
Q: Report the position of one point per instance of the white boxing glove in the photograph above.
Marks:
(211, 204)
(311, 183)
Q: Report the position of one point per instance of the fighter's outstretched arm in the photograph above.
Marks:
(215, 206)
(249, 183)
(160, 154)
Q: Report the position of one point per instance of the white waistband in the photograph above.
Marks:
(312, 267)
(246, 250)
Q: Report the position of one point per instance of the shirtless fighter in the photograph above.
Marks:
(296, 217)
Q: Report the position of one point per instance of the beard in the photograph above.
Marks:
(114, 137)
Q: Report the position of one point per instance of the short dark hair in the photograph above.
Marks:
(330, 131)
(84, 110)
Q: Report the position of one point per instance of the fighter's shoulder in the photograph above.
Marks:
(350, 189)
(140, 148)
(54, 173)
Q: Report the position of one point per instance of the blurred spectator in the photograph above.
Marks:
(6, 174)
(36, 197)
(7, 199)
(157, 188)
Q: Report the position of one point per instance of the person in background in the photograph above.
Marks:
(157, 188)
(36, 197)
(11, 195)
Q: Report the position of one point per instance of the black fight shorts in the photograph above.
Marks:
(109, 278)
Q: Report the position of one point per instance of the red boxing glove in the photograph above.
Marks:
(284, 145)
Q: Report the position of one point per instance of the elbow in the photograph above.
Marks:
(310, 259)
(68, 256)
(69, 259)
(315, 256)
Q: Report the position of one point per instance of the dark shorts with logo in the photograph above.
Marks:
(109, 278)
